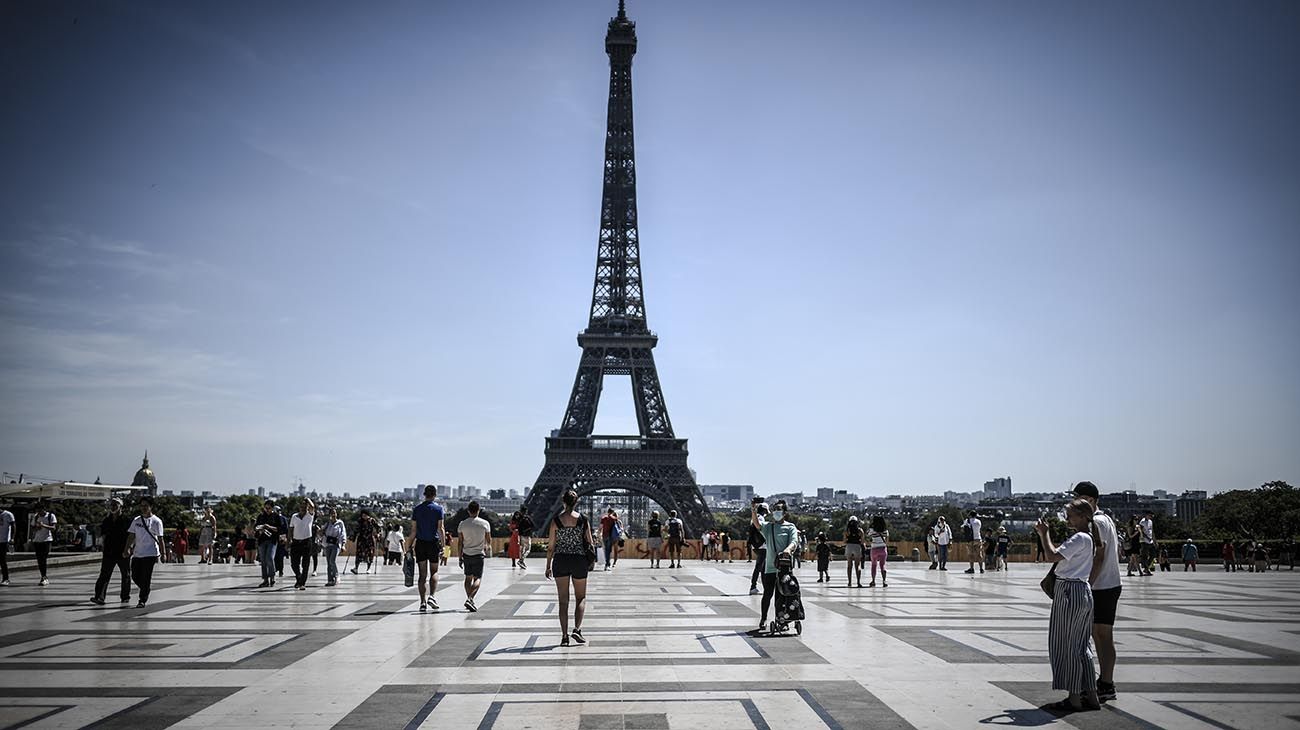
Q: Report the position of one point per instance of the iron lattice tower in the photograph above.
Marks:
(617, 341)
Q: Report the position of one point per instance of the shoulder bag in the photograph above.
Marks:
(1048, 584)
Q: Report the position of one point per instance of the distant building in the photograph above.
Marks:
(999, 488)
(715, 493)
(825, 494)
(144, 477)
(1190, 506)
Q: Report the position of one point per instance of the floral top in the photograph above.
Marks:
(571, 540)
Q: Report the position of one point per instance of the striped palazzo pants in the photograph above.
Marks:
(1068, 633)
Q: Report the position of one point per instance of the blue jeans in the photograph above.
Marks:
(266, 556)
(610, 542)
(943, 556)
(331, 563)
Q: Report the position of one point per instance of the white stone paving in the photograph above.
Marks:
(934, 650)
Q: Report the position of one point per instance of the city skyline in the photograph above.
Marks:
(905, 252)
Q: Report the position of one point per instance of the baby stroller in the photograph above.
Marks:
(789, 608)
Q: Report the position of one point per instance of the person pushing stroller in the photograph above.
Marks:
(781, 539)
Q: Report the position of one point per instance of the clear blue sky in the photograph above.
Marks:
(888, 247)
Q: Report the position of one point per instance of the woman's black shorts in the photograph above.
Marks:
(569, 566)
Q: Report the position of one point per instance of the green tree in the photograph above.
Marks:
(173, 514)
(1268, 512)
(950, 513)
(238, 510)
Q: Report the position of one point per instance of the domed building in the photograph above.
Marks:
(145, 478)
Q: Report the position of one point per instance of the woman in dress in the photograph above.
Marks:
(512, 548)
(853, 548)
(207, 535)
(569, 555)
(1070, 626)
(365, 542)
(180, 544)
(1134, 545)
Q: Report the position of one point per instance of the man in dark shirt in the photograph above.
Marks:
(526, 528)
(113, 531)
(268, 528)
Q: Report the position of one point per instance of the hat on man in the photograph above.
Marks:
(1086, 489)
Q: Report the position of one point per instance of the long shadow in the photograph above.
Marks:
(1035, 717)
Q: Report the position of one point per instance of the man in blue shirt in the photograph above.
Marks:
(426, 534)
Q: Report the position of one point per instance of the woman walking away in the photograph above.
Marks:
(1070, 626)
(823, 559)
(853, 548)
(779, 536)
(879, 537)
(570, 551)
(654, 541)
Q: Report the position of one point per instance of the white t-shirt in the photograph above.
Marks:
(943, 533)
(6, 525)
(44, 531)
(1077, 554)
(394, 541)
(300, 526)
(474, 536)
(1148, 530)
(878, 539)
(975, 529)
(147, 532)
(1109, 575)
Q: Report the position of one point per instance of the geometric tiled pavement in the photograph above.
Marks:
(668, 649)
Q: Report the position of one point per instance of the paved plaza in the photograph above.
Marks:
(668, 649)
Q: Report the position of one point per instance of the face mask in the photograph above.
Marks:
(777, 515)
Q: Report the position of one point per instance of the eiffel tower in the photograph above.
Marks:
(618, 342)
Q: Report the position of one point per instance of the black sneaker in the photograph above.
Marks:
(469, 605)
(933, 566)
(264, 584)
(98, 601)
(1106, 691)
(577, 637)
(140, 604)
(970, 571)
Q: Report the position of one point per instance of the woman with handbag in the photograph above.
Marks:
(1070, 625)
(334, 537)
(570, 554)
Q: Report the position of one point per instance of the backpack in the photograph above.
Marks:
(966, 533)
(674, 528)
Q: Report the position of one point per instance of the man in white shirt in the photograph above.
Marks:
(6, 536)
(975, 549)
(1105, 581)
(144, 543)
(43, 538)
(1147, 526)
(475, 544)
(302, 531)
